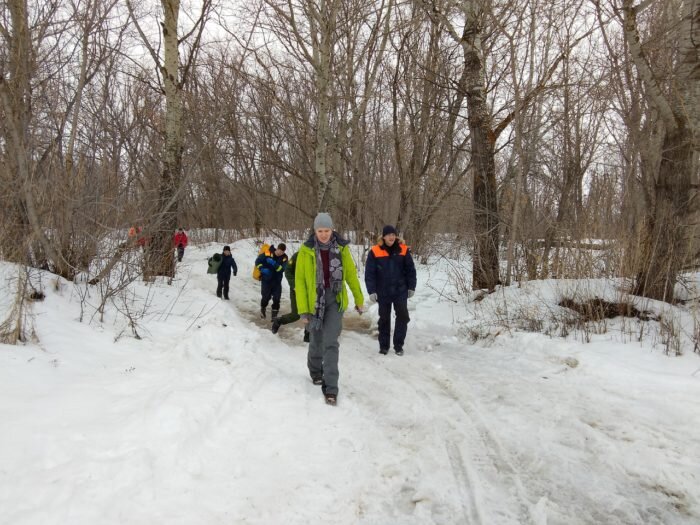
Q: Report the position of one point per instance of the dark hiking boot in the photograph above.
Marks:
(263, 312)
(399, 351)
(226, 298)
(383, 351)
(307, 336)
(331, 399)
(275, 313)
(317, 380)
(275, 326)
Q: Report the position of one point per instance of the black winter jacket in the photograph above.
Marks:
(390, 272)
(271, 266)
(228, 264)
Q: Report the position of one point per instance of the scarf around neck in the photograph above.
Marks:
(335, 267)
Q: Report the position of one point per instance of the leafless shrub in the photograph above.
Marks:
(696, 335)
(597, 309)
(17, 326)
(591, 315)
(670, 335)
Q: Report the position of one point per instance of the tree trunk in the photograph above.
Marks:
(16, 100)
(486, 259)
(323, 61)
(15, 93)
(666, 246)
(159, 252)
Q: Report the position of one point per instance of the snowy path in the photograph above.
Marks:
(429, 393)
(213, 419)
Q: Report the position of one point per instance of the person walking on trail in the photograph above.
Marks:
(180, 242)
(223, 274)
(294, 314)
(324, 267)
(390, 278)
(272, 264)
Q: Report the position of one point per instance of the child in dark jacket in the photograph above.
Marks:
(223, 275)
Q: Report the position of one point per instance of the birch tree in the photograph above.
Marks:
(172, 77)
(485, 265)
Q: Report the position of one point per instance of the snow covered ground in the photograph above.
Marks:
(211, 419)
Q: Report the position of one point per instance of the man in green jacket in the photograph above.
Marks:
(293, 316)
(324, 270)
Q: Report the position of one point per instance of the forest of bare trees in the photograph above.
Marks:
(531, 132)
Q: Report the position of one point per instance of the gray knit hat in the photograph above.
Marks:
(323, 220)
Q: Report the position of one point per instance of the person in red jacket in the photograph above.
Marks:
(180, 242)
(136, 238)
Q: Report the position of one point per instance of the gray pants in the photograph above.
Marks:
(323, 348)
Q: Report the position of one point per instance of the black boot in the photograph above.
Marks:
(331, 399)
(263, 312)
(307, 336)
(275, 326)
(275, 313)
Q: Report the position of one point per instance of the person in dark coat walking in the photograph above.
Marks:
(390, 277)
(223, 274)
(293, 316)
(272, 264)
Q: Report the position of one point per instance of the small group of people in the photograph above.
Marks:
(320, 275)
(324, 270)
(179, 240)
(136, 238)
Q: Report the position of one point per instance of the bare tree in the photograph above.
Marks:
(670, 238)
(173, 76)
(16, 103)
(340, 47)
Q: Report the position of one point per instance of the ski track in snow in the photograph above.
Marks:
(473, 451)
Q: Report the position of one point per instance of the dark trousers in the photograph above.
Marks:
(180, 252)
(222, 285)
(293, 316)
(322, 357)
(401, 326)
(271, 290)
